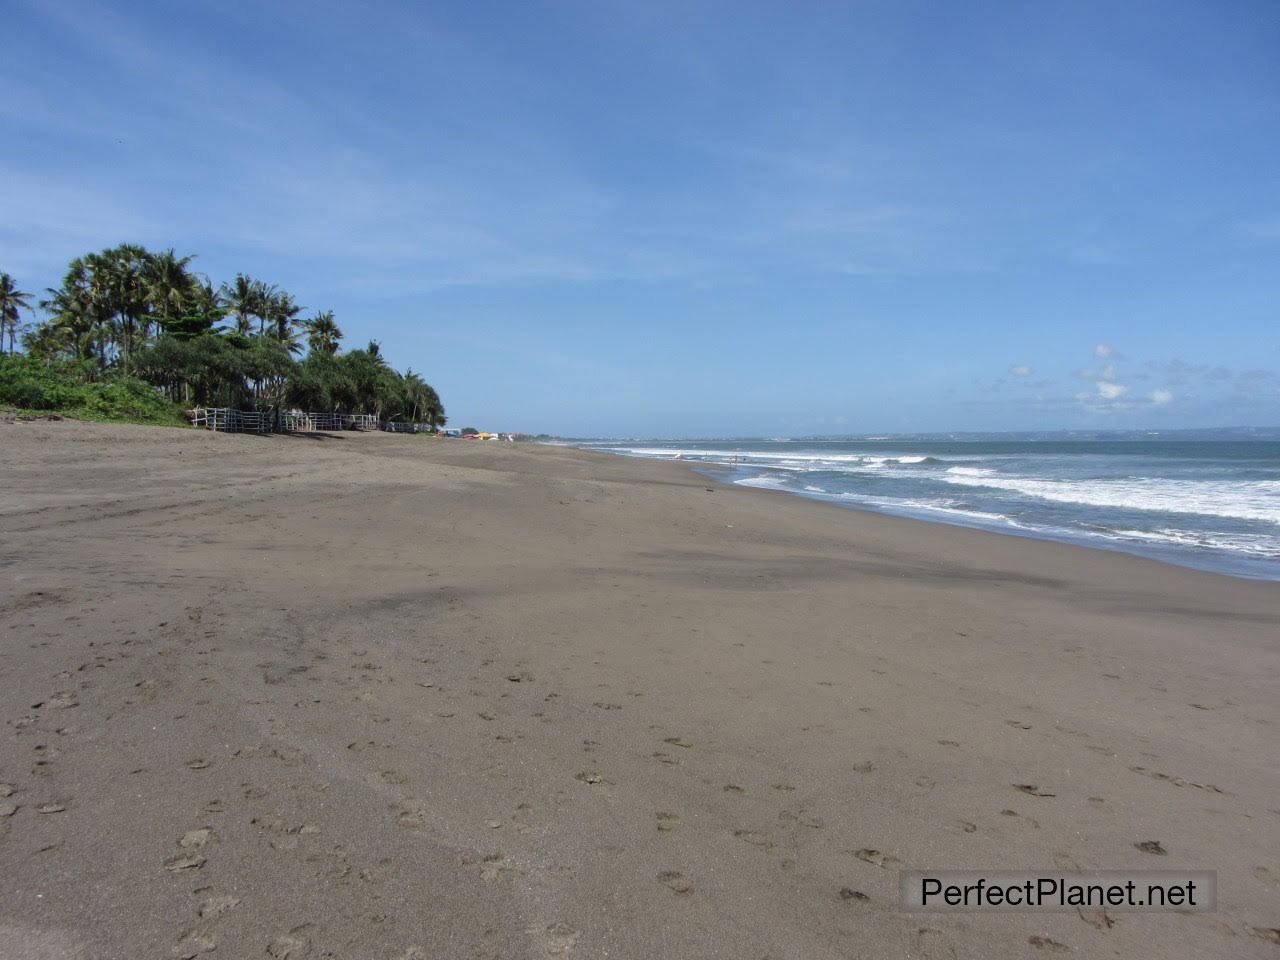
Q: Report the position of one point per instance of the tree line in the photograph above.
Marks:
(128, 313)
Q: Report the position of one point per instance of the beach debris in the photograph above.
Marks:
(848, 893)
(666, 821)
(1151, 846)
(1033, 790)
(589, 777)
(493, 824)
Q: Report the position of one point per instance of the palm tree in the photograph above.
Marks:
(282, 315)
(12, 300)
(323, 333)
(79, 313)
(246, 298)
(169, 284)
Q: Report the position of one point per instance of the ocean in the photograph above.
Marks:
(1210, 504)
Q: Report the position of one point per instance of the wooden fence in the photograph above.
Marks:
(253, 421)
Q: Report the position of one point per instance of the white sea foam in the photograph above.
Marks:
(971, 471)
(1250, 545)
(774, 460)
(765, 482)
(1243, 500)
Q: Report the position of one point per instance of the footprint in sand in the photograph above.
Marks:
(494, 867)
(195, 839)
(1044, 943)
(214, 907)
(556, 938)
(876, 858)
(1014, 813)
(192, 945)
(291, 946)
(1151, 846)
(1099, 919)
(1176, 781)
(181, 864)
(678, 742)
(676, 882)
(1018, 724)
(848, 893)
(1033, 790)
(755, 839)
(933, 944)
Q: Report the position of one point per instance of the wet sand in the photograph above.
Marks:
(375, 696)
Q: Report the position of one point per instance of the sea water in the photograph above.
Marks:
(1214, 505)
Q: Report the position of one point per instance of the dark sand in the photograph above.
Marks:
(391, 697)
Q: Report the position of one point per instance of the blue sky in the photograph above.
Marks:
(666, 219)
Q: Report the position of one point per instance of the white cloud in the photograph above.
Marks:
(1021, 370)
(1104, 351)
(1111, 391)
(1161, 397)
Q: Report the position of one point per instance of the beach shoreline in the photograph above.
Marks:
(389, 696)
(794, 466)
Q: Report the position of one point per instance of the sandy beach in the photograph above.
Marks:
(376, 696)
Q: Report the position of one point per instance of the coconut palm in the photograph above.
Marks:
(170, 286)
(12, 302)
(282, 318)
(323, 333)
(246, 298)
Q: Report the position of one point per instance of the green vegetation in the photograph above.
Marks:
(65, 387)
(135, 335)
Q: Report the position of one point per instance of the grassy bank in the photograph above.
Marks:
(65, 388)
